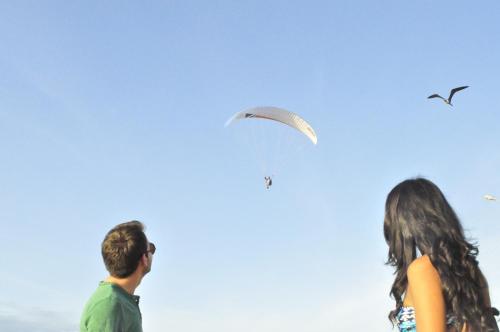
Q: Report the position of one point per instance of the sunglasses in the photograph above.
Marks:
(152, 248)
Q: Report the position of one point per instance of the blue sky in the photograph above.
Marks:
(111, 112)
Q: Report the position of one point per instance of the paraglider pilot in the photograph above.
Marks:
(269, 181)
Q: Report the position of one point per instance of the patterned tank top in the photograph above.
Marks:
(406, 320)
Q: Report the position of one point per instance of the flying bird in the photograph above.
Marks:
(452, 92)
(489, 197)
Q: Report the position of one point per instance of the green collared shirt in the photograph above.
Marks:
(111, 309)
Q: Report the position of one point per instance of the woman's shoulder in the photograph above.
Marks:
(426, 294)
(422, 267)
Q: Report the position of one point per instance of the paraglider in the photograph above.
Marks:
(452, 92)
(489, 197)
(269, 181)
(281, 116)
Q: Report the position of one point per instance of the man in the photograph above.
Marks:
(128, 256)
(269, 181)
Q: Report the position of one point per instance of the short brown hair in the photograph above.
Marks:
(123, 247)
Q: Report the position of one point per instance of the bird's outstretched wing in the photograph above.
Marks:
(453, 91)
(435, 96)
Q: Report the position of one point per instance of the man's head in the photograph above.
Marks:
(125, 248)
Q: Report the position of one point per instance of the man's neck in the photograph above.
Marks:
(129, 284)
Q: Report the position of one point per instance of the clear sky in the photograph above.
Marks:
(112, 111)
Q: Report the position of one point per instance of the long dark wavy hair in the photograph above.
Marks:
(418, 216)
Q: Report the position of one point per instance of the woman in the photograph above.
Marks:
(438, 286)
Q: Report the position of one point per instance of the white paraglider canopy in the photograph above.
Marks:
(489, 197)
(277, 114)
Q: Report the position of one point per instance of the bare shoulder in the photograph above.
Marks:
(422, 268)
(424, 286)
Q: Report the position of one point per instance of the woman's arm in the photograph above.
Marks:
(424, 286)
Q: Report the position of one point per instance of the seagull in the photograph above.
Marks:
(452, 92)
(489, 197)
